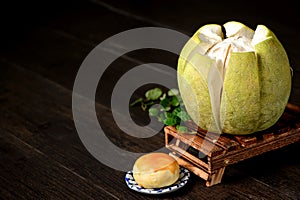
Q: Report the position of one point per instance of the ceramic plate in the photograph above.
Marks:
(182, 180)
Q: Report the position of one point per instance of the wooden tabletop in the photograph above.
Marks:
(43, 45)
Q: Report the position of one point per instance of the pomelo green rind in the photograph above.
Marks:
(275, 78)
(256, 87)
(240, 102)
(193, 86)
(193, 69)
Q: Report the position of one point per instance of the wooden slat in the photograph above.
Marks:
(254, 150)
(215, 177)
(294, 108)
(268, 136)
(249, 150)
(189, 157)
(220, 140)
(195, 169)
(205, 146)
(246, 140)
(283, 133)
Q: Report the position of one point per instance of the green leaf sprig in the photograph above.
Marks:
(166, 107)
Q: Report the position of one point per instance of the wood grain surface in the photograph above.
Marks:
(42, 47)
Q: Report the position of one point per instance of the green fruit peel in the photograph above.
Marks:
(236, 85)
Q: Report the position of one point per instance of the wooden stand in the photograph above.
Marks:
(207, 154)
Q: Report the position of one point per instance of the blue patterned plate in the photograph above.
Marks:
(182, 180)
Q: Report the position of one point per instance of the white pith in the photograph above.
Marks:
(239, 38)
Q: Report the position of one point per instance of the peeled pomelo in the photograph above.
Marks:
(238, 84)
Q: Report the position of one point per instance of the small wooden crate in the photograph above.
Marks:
(207, 154)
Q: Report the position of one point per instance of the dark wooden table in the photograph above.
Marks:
(43, 44)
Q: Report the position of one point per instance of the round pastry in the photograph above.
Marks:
(155, 170)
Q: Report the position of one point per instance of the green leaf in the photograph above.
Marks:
(182, 129)
(169, 111)
(183, 115)
(168, 108)
(153, 112)
(170, 121)
(153, 94)
(139, 100)
(174, 101)
(164, 103)
(168, 115)
(176, 111)
(173, 92)
(178, 120)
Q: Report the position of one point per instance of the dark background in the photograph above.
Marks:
(21, 20)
